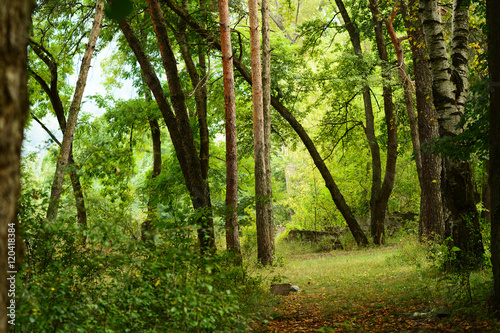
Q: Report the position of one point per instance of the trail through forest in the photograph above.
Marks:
(374, 291)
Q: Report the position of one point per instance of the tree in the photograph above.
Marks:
(492, 10)
(381, 190)
(330, 183)
(449, 86)
(15, 21)
(55, 62)
(264, 234)
(431, 224)
(232, 235)
(69, 132)
(178, 124)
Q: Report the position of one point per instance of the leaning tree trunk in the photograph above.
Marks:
(69, 133)
(52, 91)
(15, 22)
(431, 226)
(492, 10)
(232, 235)
(264, 240)
(337, 197)
(178, 125)
(449, 82)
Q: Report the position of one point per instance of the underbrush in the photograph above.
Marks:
(114, 283)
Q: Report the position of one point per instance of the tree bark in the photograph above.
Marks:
(15, 22)
(266, 103)
(431, 225)
(264, 240)
(232, 234)
(460, 213)
(68, 135)
(337, 197)
(492, 10)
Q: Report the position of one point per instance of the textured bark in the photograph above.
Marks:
(232, 235)
(492, 10)
(69, 132)
(266, 103)
(460, 214)
(264, 240)
(52, 90)
(460, 52)
(431, 226)
(337, 197)
(15, 21)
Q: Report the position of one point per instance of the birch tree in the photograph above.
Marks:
(449, 86)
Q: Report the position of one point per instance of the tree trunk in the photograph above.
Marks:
(178, 126)
(264, 241)
(266, 103)
(15, 22)
(431, 225)
(232, 234)
(67, 142)
(337, 197)
(492, 10)
(52, 91)
(460, 213)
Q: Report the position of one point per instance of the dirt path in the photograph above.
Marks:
(305, 313)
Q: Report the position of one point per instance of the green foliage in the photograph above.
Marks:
(118, 9)
(122, 286)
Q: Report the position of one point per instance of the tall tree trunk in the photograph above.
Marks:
(431, 225)
(266, 104)
(52, 92)
(15, 22)
(68, 135)
(232, 235)
(337, 197)
(460, 213)
(264, 237)
(178, 125)
(493, 20)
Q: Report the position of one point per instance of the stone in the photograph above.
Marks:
(294, 288)
(282, 289)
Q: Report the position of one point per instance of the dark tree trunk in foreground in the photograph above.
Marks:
(492, 10)
(15, 21)
(69, 132)
(232, 235)
(431, 225)
(264, 236)
(337, 197)
(461, 218)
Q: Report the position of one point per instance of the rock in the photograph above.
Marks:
(443, 313)
(294, 288)
(282, 289)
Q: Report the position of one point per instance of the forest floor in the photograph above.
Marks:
(390, 289)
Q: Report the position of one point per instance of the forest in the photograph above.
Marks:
(249, 166)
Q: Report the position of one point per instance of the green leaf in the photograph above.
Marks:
(118, 9)
(455, 249)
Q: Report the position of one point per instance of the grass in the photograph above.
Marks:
(373, 289)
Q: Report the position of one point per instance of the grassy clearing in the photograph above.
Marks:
(395, 288)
